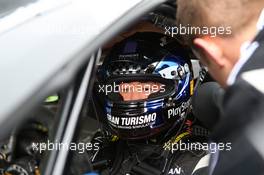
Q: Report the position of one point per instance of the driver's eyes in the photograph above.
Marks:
(146, 89)
(124, 89)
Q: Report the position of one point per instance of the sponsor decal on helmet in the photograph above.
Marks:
(179, 111)
(132, 122)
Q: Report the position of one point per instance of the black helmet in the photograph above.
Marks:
(147, 82)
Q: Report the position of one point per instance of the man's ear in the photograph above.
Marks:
(211, 49)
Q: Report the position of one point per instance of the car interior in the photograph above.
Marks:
(27, 150)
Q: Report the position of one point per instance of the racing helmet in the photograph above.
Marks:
(147, 82)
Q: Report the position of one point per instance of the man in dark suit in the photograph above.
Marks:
(227, 37)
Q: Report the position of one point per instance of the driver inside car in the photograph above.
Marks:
(145, 91)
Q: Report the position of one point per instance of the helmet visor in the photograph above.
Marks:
(138, 89)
